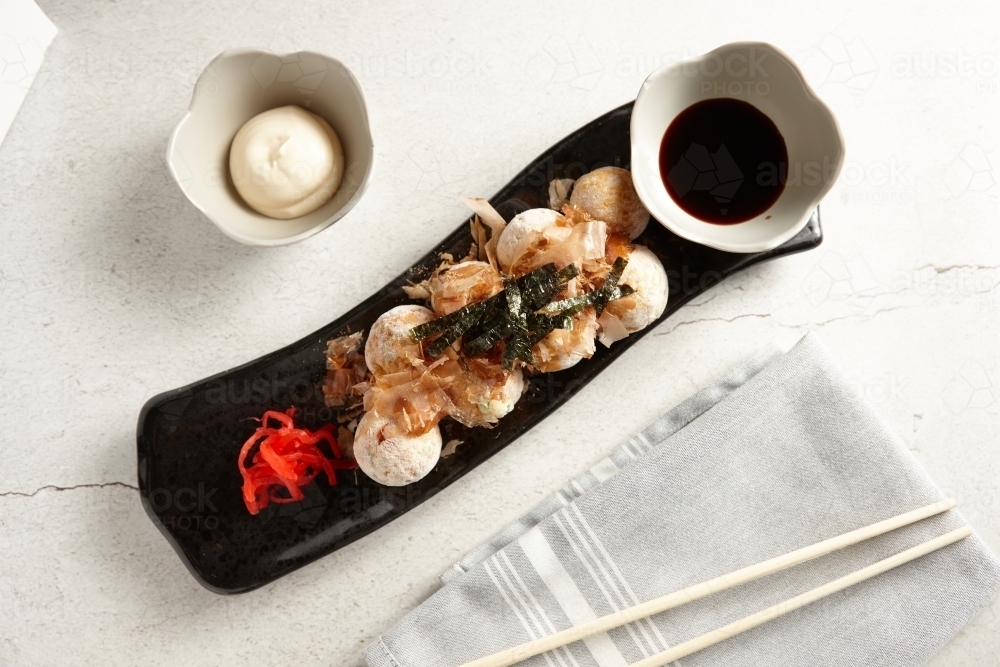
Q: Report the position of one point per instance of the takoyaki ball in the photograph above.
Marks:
(462, 284)
(608, 194)
(397, 460)
(390, 348)
(523, 224)
(483, 399)
(645, 274)
(563, 348)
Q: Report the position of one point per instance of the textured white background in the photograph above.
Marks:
(113, 288)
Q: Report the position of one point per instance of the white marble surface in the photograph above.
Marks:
(114, 288)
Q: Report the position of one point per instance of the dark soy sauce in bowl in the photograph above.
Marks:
(723, 161)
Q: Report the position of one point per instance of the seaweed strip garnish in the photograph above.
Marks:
(521, 315)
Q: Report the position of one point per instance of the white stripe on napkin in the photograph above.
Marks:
(604, 470)
(538, 608)
(570, 599)
(619, 578)
(517, 609)
(599, 575)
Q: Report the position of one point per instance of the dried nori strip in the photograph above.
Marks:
(471, 315)
(582, 300)
(476, 310)
(514, 311)
(567, 273)
(538, 287)
(490, 338)
(494, 312)
(622, 291)
(485, 325)
(596, 298)
(537, 321)
(577, 303)
(509, 310)
(537, 336)
(546, 326)
(512, 315)
(518, 347)
(604, 294)
(439, 324)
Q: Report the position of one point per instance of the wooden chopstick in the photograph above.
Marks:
(782, 608)
(696, 592)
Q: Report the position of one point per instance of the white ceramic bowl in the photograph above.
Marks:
(762, 75)
(236, 86)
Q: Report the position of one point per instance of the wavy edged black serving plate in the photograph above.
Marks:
(189, 438)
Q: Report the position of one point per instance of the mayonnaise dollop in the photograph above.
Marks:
(286, 162)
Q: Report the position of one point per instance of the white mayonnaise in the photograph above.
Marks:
(286, 162)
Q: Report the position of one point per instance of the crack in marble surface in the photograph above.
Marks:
(710, 319)
(862, 317)
(53, 487)
(956, 267)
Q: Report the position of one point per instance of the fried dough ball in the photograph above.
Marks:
(608, 194)
(397, 460)
(462, 284)
(504, 400)
(523, 224)
(479, 397)
(389, 348)
(563, 348)
(645, 274)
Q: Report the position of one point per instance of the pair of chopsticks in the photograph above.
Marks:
(671, 600)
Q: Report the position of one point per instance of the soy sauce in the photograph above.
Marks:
(723, 161)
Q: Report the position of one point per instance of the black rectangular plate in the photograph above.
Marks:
(188, 439)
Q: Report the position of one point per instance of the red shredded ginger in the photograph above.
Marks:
(286, 457)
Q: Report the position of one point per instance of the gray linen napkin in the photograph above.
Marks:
(780, 453)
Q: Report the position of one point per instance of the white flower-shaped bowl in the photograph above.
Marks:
(764, 76)
(236, 86)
